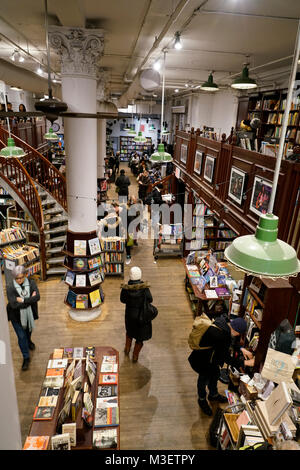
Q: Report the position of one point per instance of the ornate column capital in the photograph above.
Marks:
(102, 89)
(79, 49)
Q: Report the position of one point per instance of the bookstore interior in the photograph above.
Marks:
(129, 169)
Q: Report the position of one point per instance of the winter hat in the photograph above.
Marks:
(239, 325)
(135, 274)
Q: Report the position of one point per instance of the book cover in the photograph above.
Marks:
(105, 439)
(221, 291)
(55, 372)
(75, 404)
(94, 245)
(57, 353)
(80, 264)
(43, 413)
(80, 247)
(108, 379)
(95, 262)
(61, 442)
(78, 353)
(68, 353)
(211, 294)
(106, 402)
(57, 363)
(53, 382)
(48, 401)
(105, 391)
(278, 402)
(80, 281)
(108, 416)
(95, 277)
(70, 428)
(71, 298)
(36, 443)
(105, 367)
(69, 278)
(95, 298)
(109, 359)
(90, 351)
(50, 391)
(82, 301)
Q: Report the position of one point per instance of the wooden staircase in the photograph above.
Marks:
(40, 189)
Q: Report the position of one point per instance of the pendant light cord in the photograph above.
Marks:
(48, 51)
(285, 121)
(163, 96)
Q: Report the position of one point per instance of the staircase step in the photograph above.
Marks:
(57, 270)
(55, 240)
(60, 229)
(54, 210)
(58, 260)
(48, 201)
(55, 250)
(55, 220)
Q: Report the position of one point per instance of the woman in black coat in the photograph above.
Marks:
(22, 309)
(133, 295)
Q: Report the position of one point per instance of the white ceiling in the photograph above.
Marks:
(217, 35)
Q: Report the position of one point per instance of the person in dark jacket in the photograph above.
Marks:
(133, 295)
(122, 182)
(22, 309)
(207, 362)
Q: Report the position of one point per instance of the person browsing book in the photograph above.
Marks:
(216, 342)
(22, 310)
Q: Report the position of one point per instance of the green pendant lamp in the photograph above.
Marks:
(160, 156)
(263, 254)
(244, 82)
(210, 85)
(51, 136)
(140, 138)
(11, 150)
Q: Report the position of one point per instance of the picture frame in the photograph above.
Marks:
(260, 197)
(209, 168)
(236, 185)
(183, 153)
(198, 162)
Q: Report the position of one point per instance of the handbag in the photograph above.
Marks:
(130, 240)
(147, 312)
(117, 189)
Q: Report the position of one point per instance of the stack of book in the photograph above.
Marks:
(105, 433)
(11, 235)
(20, 253)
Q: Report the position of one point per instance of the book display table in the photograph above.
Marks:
(86, 435)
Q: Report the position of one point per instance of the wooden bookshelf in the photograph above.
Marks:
(127, 145)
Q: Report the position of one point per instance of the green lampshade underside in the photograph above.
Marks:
(210, 85)
(131, 131)
(166, 132)
(244, 82)
(51, 136)
(140, 138)
(11, 150)
(161, 156)
(263, 254)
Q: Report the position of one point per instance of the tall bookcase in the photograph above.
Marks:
(113, 249)
(127, 145)
(269, 108)
(265, 303)
(208, 231)
(85, 270)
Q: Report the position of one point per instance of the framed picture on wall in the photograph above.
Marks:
(209, 168)
(198, 162)
(261, 194)
(236, 185)
(183, 153)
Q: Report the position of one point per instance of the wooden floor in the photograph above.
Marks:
(158, 397)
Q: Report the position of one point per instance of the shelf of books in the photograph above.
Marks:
(84, 261)
(113, 249)
(169, 241)
(208, 232)
(15, 251)
(127, 146)
(78, 407)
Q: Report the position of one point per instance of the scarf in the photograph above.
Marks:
(26, 315)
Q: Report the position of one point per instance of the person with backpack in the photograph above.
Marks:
(210, 343)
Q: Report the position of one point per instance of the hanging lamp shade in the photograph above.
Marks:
(131, 131)
(165, 132)
(140, 138)
(210, 85)
(160, 156)
(11, 150)
(263, 254)
(244, 82)
(51, 136)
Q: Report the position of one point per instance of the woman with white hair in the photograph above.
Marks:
(133, 295)
(23, 296)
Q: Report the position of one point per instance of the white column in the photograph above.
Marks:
(10, 433)
(80, 50)
(101, 146)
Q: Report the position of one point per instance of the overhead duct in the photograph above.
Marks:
(16, 76)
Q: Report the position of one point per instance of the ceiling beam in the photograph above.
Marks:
(69, 12)
(235, 13)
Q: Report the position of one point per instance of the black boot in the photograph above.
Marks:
(25, 364)
(205, 407)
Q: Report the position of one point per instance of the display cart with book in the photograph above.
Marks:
(169, 241)
(79, 403)
(85, 270)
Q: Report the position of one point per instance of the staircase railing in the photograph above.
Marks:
(40, 169)
(16, 180)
